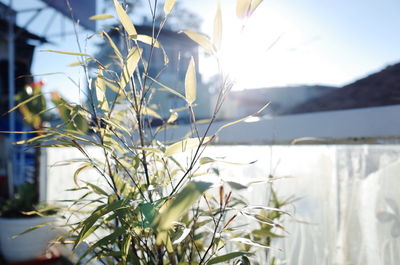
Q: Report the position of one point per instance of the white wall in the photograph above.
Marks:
(343, 125)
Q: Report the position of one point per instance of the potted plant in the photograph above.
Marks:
(158, 201)
(20, 215)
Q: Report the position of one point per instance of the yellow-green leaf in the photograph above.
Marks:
(226, 257)
(96, 189)
(173, 117)
(101, 16)
(217, 36)
(113, 46)
(78, 171)
(88, 225)
(242, 8)
(25, 102)
(165, 88)
(78, 63)
(68, 53)
(184, 145)
(200, 39)
(168, 6)
(100, 93)
(243, 119)
(180, 204)
(124, 19)
(32, 228)
(245, 8)
(166, 59)
(111, 85)
(190, 82)
(147, 40)
(39, 137)
(247, 241)
(129, 66)
(148, 111)
(254, 5)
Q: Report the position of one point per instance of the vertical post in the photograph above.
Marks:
(43, 175)
(11, 93)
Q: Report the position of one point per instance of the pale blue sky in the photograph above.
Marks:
(325, 42)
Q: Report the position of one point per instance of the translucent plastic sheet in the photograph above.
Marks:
(348, 207)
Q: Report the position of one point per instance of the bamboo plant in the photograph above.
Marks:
(154, 207)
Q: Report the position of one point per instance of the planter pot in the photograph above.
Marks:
(29, 245)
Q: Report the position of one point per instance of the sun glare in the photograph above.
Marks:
(245, 54)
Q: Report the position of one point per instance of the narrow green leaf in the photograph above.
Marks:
(184, 145)
(266, 208)
(24, 102)
(254, 5)
(36, 139)
(227, 257)
(78, 63)
(101, 16)
(110, 239)
(147, 40)
(113, 46)
(112, 86)
(124, 19)
(78, 171)
(243, 119)
(264, 233)
(249, 242)
(126, 244)
(167, 89)
(206, 160)
(32, 228)
(173, 117)
(96, 189)
(130, 66)
(180, 204)
(149, 211)
(242, 8)
(166, 59)
(245, 8)
(168, 6)
(23, 132)
(115, 125)
(68, 53)
(71, 115)
(236, 185)
(88, 226)
(148, 111)
(101, 92)
(200, 39)
(217, 35)
(182, 236)
(190, 82)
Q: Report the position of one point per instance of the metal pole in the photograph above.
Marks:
(11, 93)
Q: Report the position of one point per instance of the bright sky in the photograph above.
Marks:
(313, 42)
(319, 42)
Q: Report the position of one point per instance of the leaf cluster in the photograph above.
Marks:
(156, 202)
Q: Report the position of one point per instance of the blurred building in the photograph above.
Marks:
(378, 89)
(245, 102)
(17, 45)
(21, 55)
